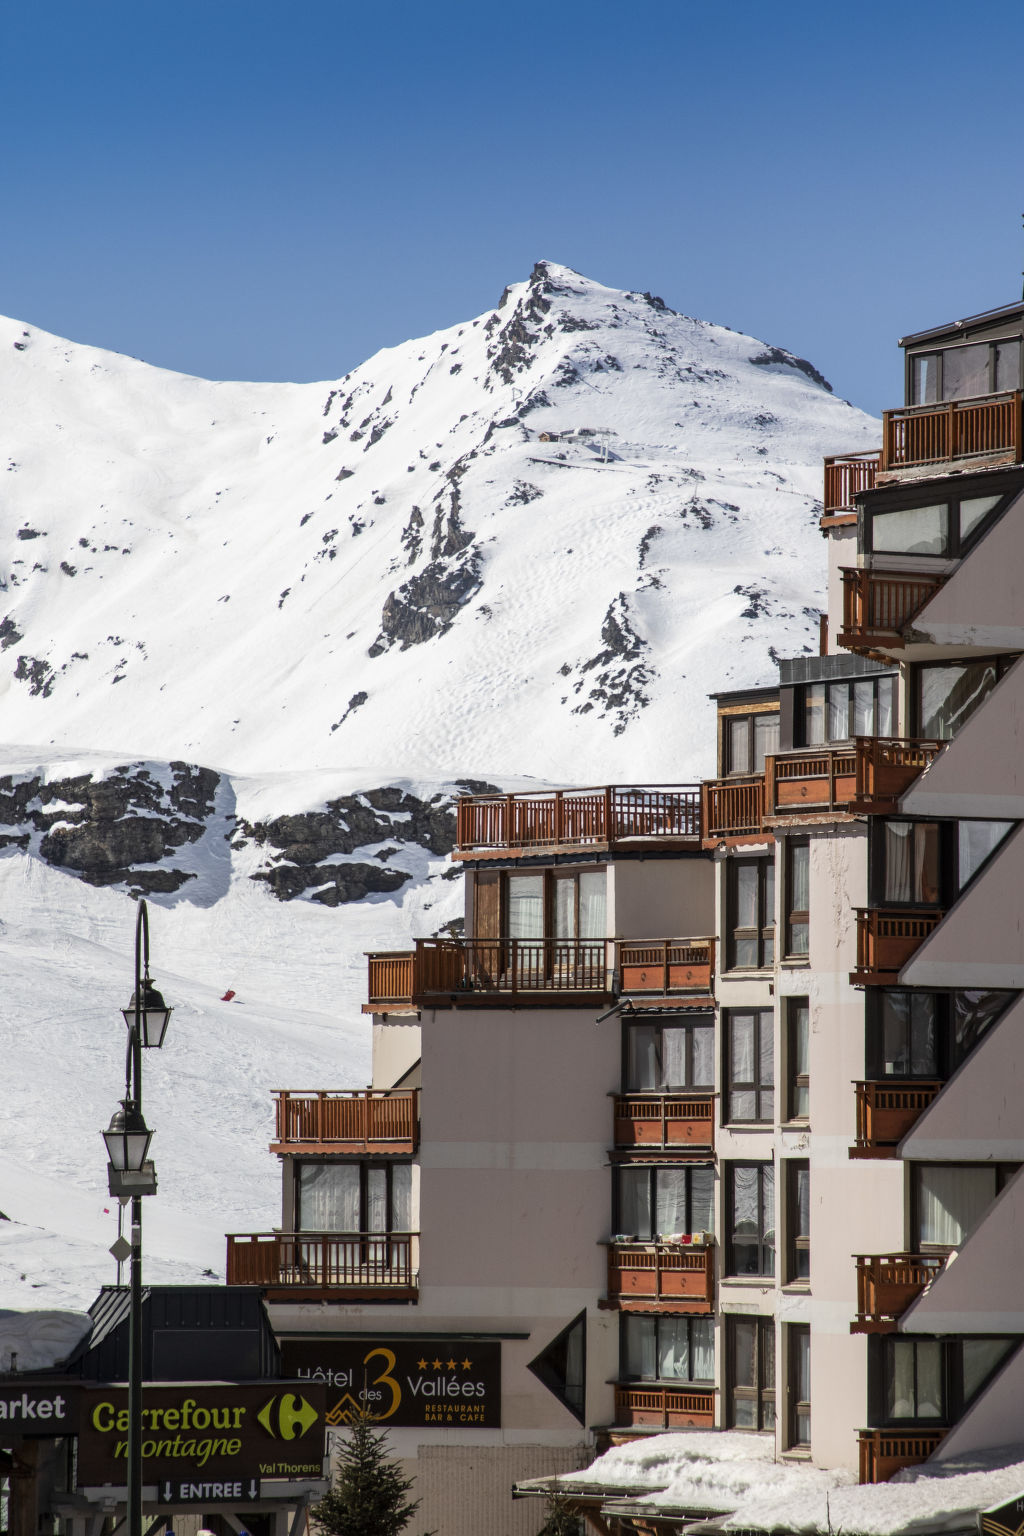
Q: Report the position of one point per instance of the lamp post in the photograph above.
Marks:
(131, 1176)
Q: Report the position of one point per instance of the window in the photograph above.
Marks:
(660, 1057)
(965, 371)
(930, 1381)
(798, 897)
(354, 1197)
(666, 1348)
(927, 1034)
(750, 913)
(950, 1200)
(798, 1040)
(661, 1200)
(534, 906)
(751, 1219)
(750, 1065)
(562, 1366)
(799, 1425)
(750, 1357)
(748, 740)
(947, 694)
(928, 863)
(798, 1220)
(862, 706)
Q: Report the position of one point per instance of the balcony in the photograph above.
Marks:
(886, 1285)
(665, 1407)
(886, 1451)
(326, 1266)
(661, 1277)
(353, 1121)
(886, 767)
(984, 429)
(847, 474)
(878, 606)
(443, 973)
(886, 1111)
(665, 1120)
(664, 966)
(886, 939)
(733, 810)
(595, 819)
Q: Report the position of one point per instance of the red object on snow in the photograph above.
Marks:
(227, 996)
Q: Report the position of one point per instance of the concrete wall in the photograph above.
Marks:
(980, 603)
(661, 898)
(396, 1048)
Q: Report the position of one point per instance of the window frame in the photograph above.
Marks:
(948, 1053)
(629, 1320)
(798, 1409)
(763, 1093)
(550, 879)
(763, 933)
(794, 918)
(794, 1080)
(1003, 1173)
(688, 1027)
(364, 1165)
(949, 884)
(652, 1169)
(801, 712)
(798, 1243)
(937, 354)
(767, 1253)
(762, 1391)
(1002, 662)
(954, 1399)
(749, 720)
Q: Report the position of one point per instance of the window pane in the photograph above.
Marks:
(1008, 365)
(768, 1217)
(328, 1197)
(929, 1379)
(864, 707)
(838, 711)
(912, 531)
(741, 1037)
(814, 714)
(565, 908)
(401, 1197)
(973, 510)
(926, 861)
(635, 1202)
(739, 745)
(899, 861)
(895, 1009)
(901, 1393)
(799, 1050)
(671, 1215)
(746, 1235)
(703, 1056)
(744, 1353)
(673, 1058)
(526, 906)
(980, 1358)
(639, 1357)
(593, 924)
(702, 1200)
(702, 1344)
(766, 739)
(766, 1055)
(799, 877)
(924, 380)
(746, 895)
(973, 1013)
(975, 841)
(924, 1051)
(950, 695)
(965, 372)
(643, 1066)
(769, 895)
(952, 1200)
(886, 696)
(673, 1349)
(376, 1200)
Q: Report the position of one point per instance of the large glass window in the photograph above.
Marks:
(914, 1033)
(751, 1217)
(354, 1197)
(965, 371)
(863, 706)
(951, 1198)
(526, 906)
(750, 913)
(912, 863)
(750, 1065)
(667, 1348)
(663, 1200)
(928, 1381)
(580, 905)
(941, 528)
(948, 694)
(748, 740)
(660, 1057)
(750, 1380)
(928, 863)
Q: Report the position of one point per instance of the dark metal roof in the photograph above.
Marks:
(987, 317)
(823, 669)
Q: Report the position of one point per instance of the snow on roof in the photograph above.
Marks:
(736, 1475)
(40, 1341)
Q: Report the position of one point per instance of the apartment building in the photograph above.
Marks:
(711, 1117)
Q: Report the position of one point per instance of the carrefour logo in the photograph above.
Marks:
(287, 1417)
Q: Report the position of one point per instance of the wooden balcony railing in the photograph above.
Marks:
(886, 939)
(886, 1111)
(734, 808)
(878, 606)
(666, 965)
(326, 1263)
(665, 1120)
(574, 818)
(886, 767)
(818, 779)
(350, 1120)
(845, 475)
(444, 972)
(886, 1285)
(655, 1277)
(984, 427)
(665, 1407)
(885, 1451)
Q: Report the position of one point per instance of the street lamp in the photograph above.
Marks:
(130, 1175)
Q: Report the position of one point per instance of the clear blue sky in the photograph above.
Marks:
(276, 188)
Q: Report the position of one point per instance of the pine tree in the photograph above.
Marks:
(367, 1496)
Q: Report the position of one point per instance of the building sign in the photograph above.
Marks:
(204, 1435)
(245, 1490)
(405, 1381)
(1003, 1519)
(37, 1409)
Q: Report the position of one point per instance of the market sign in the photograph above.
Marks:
(223, 1434)
(401, 1380)
(37, 1408)
(1003, 1519)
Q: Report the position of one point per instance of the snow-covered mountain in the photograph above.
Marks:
(256, 636)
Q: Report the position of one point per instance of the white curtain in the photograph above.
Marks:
(526, 906)
(702, 1344)
(328, 1197)
(643, 1072)
(593, 924)
(671, 1213)
(640, 1352)
(952, 1200)
(635, 1202)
